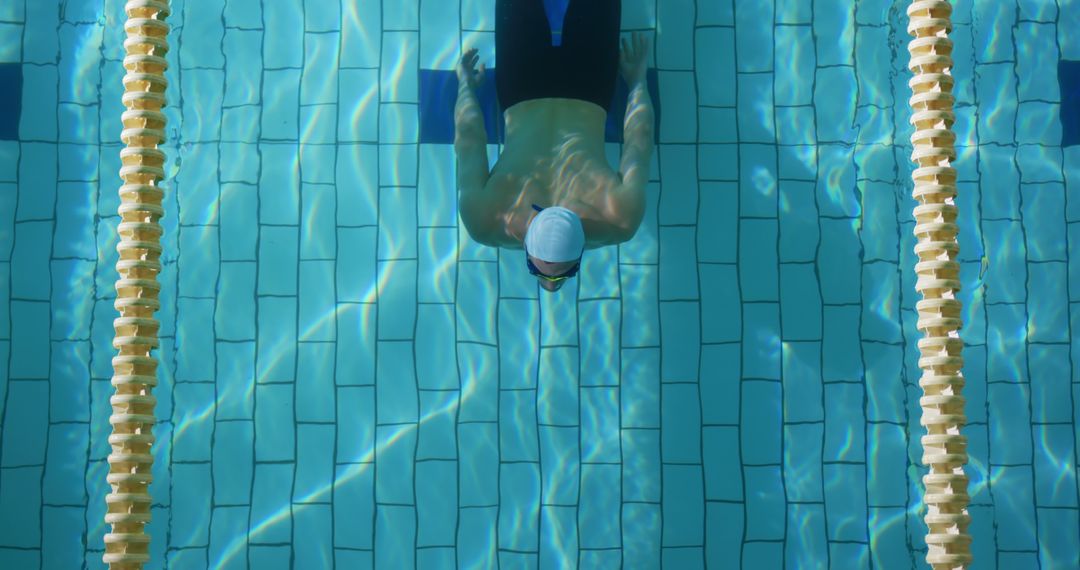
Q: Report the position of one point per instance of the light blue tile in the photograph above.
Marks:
(39, 43)
(762, 421)
(13, 11)
(680, 343)
(1007, 268)
(840, 351)
(885, 396)
(395, 447)
(189, 501)
(21, 512)
(681, 424)
(397, 223)
(641, 532)
(803, 445)
(356, 265)
(356, 424)
(1009, 423)
(845, 501)
(397, 296)
(395, 383)
(1057, 549)
(1007, 360)
(796, 125)
(70, 380)
(317, 306)
(757, 180)
(276, 336)
(318, 125)
(1039, 163)
(877, 162)
(480, 449)
(678, 196)
(718, 162)
(557, 398)
(599, 507)
(228, 537)
(887, 484)
(600, 424)
(680, 122)
(201, 33)
(795, 66)
(797, 163)
(361, 35)
(399, 123)
(196, 361)
(241, 124)
(358, 115)
(996, 86)
(37, 183)
(723, 535)
(278, 261)
(29, 358)
(476, 535)
(318, 81)
(27, 407)
(432, 557)
(559, 465)
(845, 438)
(988, 19)
(78, 123)
(836, 182)
(281, 96)
(717, 227)
(243, 14)
(235, 379)
(997, 163)
(195, 188)
(838, 25)
(1074, 260)
(715, 68)
(1014, 508)
(315, 382)
(720, 303)
(880, 322)
(202, 114)
(678, 273)
(436, 503)
(800, 302)
(439, 20)
(683, 506)
(840, 270)
(755, 93)
(274, 433)
(239, 163)
(235, 315)
(273, 482)
(1055, 476)
(1047, 322)
(674, 49)
(437, 437)
(723, 473)
(435, 367)
(718, 125)
(835, 114)
(1045, 239)
(400, 51)
(640, 383)
(1036, 51)
(808, 547)
(517, 426)
(71, 279)
(314, 465)
(239, 207)
(1068, 18)
(640, 322)
(437, 246)
(199, 266)
(269, 557)
(405, 16)
(477, 365)
(764, 507)
(436, 192)
(287, 48)
(761, 358)
(519, 487)
(640, 465)
(63, 545)
(354, 506)
(194, 431)
(803, 399)
(799, 233)
(874, 12)
(599, 359)
(719, 383)
(1050, 387)
(754, 36)
(232, 467)
(758, 273)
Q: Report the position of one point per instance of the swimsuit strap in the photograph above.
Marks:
(537, 208)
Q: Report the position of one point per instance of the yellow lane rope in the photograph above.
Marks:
(135, 368)
(938, 280)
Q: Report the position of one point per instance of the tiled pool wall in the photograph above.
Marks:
(346, 377)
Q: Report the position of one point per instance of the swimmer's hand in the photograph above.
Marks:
(634, 58)
(466, 73)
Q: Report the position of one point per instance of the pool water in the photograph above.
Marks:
(348, 381)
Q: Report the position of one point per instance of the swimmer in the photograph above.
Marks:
(552, 192)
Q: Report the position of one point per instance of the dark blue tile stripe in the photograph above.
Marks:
(1069, 76)
(10, 100)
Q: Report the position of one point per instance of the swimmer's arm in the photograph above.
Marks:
(470, 146)
(636, 154)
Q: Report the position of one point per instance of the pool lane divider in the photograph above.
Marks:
(136, 330)
(938, 280)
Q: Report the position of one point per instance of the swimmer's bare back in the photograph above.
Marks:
(554, 156)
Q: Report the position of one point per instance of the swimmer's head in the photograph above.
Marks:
(554, 244)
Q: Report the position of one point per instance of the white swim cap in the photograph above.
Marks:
(555, 235)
